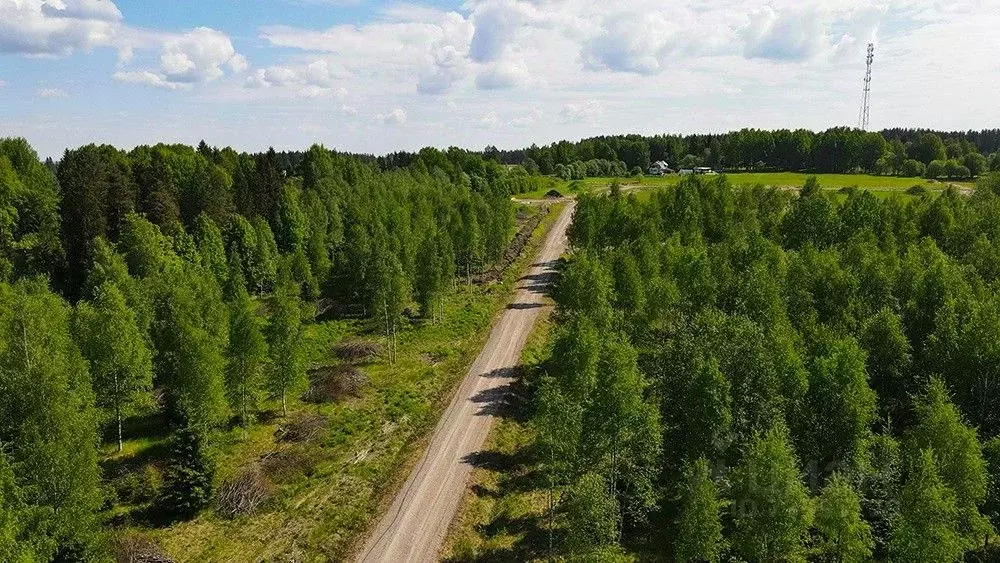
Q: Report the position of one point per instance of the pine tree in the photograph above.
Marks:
(120, 362)
(246, 357)
(844, 536)
(699, 527)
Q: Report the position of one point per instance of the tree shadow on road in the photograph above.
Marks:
(514, 528)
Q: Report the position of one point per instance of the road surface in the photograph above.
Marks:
(415, 525)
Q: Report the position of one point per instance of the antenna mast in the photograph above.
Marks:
(863, 118)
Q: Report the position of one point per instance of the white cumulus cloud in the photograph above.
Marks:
(198, 56)
(57, 28)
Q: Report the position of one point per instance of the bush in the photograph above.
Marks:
(188, 481)
(244, 493)
(139, 486)
(955, 169)
(917, 189)
(912, 168)
(935, 169)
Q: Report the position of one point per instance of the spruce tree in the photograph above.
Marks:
(187, 485)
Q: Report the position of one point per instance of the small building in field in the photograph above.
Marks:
(659, 168)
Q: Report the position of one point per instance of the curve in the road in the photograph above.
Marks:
(414, 527)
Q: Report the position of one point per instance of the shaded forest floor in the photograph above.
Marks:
(327, 487)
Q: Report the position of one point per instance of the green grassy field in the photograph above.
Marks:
(878, 184)
(334, 484)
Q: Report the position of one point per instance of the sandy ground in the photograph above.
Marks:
(414, 527)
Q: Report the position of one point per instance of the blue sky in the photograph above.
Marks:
(382, 76)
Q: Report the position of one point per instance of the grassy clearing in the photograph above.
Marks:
(503, 515)
(331, 487)
(880, 185)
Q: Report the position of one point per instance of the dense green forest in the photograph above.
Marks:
(746, 373)
(176, 281)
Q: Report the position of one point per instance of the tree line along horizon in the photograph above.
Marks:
(901, 152)
(748, 374)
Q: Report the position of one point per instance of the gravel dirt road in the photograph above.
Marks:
(414, 527)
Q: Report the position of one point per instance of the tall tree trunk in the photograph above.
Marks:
(118, 415)
(284, 407)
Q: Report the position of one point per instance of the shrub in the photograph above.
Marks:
(139, 486)
(917, 189)
(935, 169)
(912, 168)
